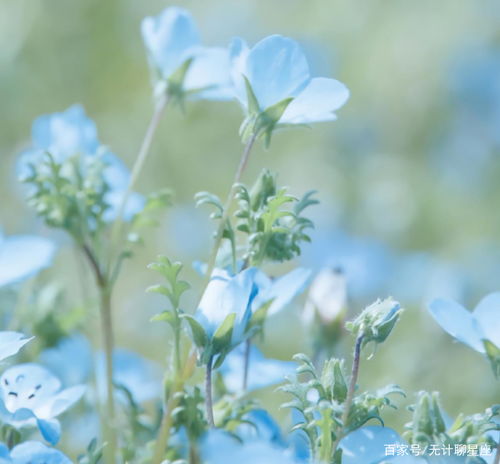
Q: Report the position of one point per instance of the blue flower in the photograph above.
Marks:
(221, 448)
(281, 291)
(263, 372)
(277, 72)
(72, 134)
(181, 63)
(31, 396)
(32, 452)
(72, 361)
(11, 343)
(259, 425)
(470, 328)
(226, 295)
(22, 256)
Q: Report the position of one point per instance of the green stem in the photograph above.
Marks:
(225, 215)
(177, 350)
(140, 160)
(109, 423)
(246, 363)
(208, 393)
(350, 392)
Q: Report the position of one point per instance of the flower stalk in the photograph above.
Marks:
(208, 393)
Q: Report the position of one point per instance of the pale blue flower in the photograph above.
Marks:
(22, 256)
(32, 452)
(277, 69)
(367, 445)
(173, 42)
(470, 328)
(263, 372)
(260, 425)
(72, 133)
(11, 343)
(32, 396)
(226, 295)
(221, 448)
(281, 290)
(72, 360)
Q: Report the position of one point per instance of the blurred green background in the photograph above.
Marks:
(411, 162)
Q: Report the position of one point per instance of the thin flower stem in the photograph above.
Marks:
(208, 393)
(109, 421)
(225, 215)
(351, 390)
(497, 456)
(140, 160)
(246, 363)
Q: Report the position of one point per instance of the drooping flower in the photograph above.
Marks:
(31, 396)
(71, 134)
(32, 452)
(183, 67)
(11, 343)
(224, 296)
(263, 372)
(22, 256)
(470, 328)
(327, 296)
(273, 83)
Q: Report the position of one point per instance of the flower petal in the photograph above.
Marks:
(458, 322)
(36, 452)
(238, 54)
(59, 402)
(11, 343)
(22, 256)
(170, 38)
(209, 73)
(487, 314)
(276, 69)
(317, 102)
(50, 430)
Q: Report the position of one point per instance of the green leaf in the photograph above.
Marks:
(200, 337)
(253, 104)
(222, 336)
(493, 353)
(166, 316)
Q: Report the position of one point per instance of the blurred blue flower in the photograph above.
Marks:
(32, 396)
(260, 425)
(11, 343)
(470, 328)
(220, 448)
(22, 256)
(72, 134)
(263, 372)
(72, 361)
(226, 295)
(277, 70)
(173, 43)
(32, 452)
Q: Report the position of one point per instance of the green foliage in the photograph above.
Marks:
(493, 354)
(93, 454)
(428, 426)
(321, 399)
(189, 413)
(272, 219)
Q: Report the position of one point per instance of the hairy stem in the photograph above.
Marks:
(208, 394)
(351, 390)
(225, 215)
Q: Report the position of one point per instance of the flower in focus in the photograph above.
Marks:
(11, 343)
(182, 66)
(70, 138)
(22, 256)
(327, 297)
(273, 83)
(31, 396)
(263, 372)
(32, 452)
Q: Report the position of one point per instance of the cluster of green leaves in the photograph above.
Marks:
(428, 425)
(272, 219)
(321, 398)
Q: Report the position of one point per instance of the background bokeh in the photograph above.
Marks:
(407, 176)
